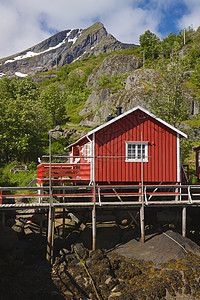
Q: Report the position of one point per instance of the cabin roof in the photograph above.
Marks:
(122, 116)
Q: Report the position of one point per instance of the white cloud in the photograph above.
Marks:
(192, 17)
(24, 23)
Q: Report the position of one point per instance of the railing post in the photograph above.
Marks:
(189, 195)
(176, 191)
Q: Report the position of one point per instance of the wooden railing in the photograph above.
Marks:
(106, 195)
(63, 172)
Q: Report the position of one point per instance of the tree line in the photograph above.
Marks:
(29, 110)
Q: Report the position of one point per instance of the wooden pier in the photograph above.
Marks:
(96, 197)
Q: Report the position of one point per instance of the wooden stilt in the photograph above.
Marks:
(50, 237)
(184, 221)
(41, 222)
(142, 226)
(3, 221)
(94, 228)
(63, 233)
(47, 218)
(94, 198)
(41, 215)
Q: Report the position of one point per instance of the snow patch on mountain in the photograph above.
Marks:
(32, 54)
(19, 74)
(75, 38)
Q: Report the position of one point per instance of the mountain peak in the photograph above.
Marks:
(62, 48)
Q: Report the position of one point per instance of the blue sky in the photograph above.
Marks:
(24, 23)
(171, 18)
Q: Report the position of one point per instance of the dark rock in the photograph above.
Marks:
(79, 249)
(64, 252)
(97, 255)
(18, 227)
(88, 262)
(111, 282)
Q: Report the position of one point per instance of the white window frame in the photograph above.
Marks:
(137, 146)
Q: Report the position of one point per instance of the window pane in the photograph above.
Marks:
(131, 151)
(139, 152)
(143, 151)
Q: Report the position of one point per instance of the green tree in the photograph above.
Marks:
(196, 74)
(23, 120)
(149, 43)
(166, 45)
(53, 100)
(168, 98)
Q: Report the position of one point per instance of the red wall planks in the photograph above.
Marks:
(162, 150)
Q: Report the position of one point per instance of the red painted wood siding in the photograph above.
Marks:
(162, 150)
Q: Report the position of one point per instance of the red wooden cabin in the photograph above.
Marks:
(133, 147)
(197, 150)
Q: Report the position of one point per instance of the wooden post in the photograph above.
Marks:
(184, 221)
(142, 226)
(176, 191)
(41, 225)
(3, 221)
(50, 237)
(94, 228)
(46, 214)
(63, 233)
(51, 218)
(41, 214)
(94, 200)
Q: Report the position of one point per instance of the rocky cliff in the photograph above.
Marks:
(60, 49)
(132, 92)
(136, 83)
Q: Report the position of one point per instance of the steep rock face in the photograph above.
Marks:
(113, 65)
(60, 49)
(103, 102)
(140, 78)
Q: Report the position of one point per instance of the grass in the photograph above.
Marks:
(19, 179)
